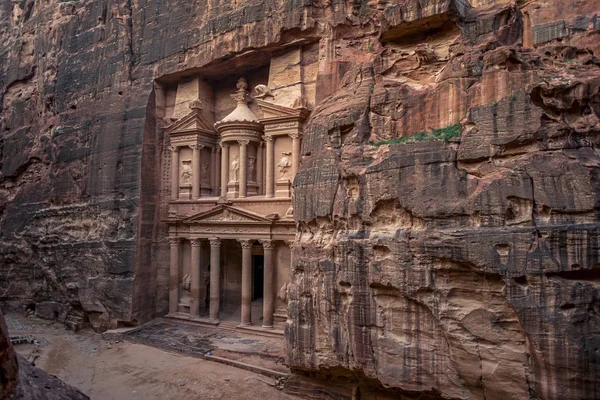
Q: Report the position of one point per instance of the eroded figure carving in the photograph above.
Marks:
(251, 168)
(284, 164)
(283, 292)
(262, 91)
(204, 173)
(242, 85)
(186, 282)
(234, 168)
(186, 172)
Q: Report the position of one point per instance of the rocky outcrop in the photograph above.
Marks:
(22, 380)
(459, 268)
(9, 369)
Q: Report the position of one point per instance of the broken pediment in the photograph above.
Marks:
(275, 111)
(225, 213)
(194, 122)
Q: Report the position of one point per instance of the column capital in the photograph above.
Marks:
(215, 149)
(173, 148)
(246, 243)
(195, 242)
(267, 138)
(223, 145)
(268, 243)
(214, 242)
(290, 243)
(197, 146)
(243, 142)
(295, 135)
(174, 241)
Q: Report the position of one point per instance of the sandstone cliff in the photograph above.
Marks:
(460, 263)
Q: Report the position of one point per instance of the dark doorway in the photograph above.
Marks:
(257, 277)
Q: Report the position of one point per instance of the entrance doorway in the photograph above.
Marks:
(258, 262)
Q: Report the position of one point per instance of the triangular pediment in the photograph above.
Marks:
(225, 213)
(193, 122)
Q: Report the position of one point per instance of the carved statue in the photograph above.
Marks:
(234, 168)
(186, 282)
(242, 85)
(251, 168)
(262, 91)
(284, 164)
(186, 285)
(204, 173)
(186, 172)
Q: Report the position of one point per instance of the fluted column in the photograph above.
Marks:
(246, 282)
(213, 169)
(174, 276)
(268, 295)
(174, 172)
(196, 148)
(224, 168)
(295, 153)
(215, 274)
(195, 271)
(243, 167)
(259, 168)
(270, 178)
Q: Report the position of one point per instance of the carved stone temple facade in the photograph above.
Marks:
(230, 217)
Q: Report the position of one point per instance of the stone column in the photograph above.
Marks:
(218, 173)
(243, 167)
(268, 292)
(295, 153)
(196, 148)
(174, 276)
(195, 272)
(270, 178)
(215, 276)
(259, 168)
(224, 168)
(174, 172)
(213, 170)
(246, 282)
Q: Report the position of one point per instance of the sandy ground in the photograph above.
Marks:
(124, 370)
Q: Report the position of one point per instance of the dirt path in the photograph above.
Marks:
(126, 370)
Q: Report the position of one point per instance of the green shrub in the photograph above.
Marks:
(444, 134)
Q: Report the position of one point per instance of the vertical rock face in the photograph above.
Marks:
(9, 369)
(465, 268)
(447, 202)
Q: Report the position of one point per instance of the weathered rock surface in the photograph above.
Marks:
(460, 269)
(464, 268)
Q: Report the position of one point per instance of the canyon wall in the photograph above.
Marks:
(459, 263)
(465, 268)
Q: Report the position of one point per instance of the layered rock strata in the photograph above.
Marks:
(446, 202)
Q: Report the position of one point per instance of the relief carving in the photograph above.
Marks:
(234, 169)
(186, 284)
(284, 164)
(227, 215)
(262, 91)
(251, 168)
(186, 172)
(204, 173)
